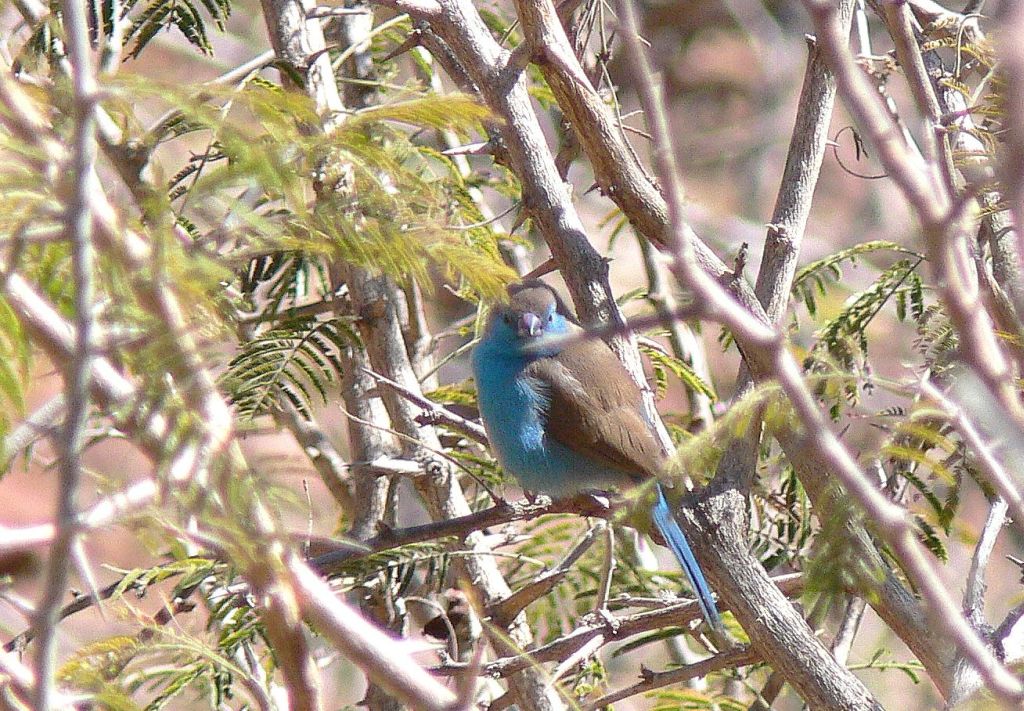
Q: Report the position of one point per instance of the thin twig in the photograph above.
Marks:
(607, 568)
(730, 659)
(78, 220)
(437, 414)
(974, 595)
(842, 643)
(503, 611)
(461, 526)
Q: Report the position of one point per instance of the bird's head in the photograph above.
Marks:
(534, 310)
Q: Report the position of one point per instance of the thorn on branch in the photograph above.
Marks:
(1019, 563)
(523, 215)
(322, 13)
(471, 149)
(547, 267)
(611, 622)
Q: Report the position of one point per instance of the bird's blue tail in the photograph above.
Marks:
(674, 538)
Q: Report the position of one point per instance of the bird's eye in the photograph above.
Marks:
(508, 319)
(551, 318)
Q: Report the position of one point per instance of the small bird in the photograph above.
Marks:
(565, 417)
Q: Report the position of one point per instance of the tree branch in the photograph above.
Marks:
(460, 527)
(432, 412)
(78, 225)
(730, 659)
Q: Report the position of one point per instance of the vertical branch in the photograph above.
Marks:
(368, 423)
(78, 225)
(937, 151)
(974, 595)
(966, 679)
(1011, 50)
(786, 229)
(300, 42)
(499, 77)
(111, 46)
(800, 177)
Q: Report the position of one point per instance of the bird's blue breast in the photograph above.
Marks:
(515, 408)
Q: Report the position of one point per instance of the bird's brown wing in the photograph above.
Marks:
(596, 409)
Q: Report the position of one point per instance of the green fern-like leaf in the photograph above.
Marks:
(664, 363)
(936, 340)
(293, 361)
(856, 316)
(97, 663)
(454, 394)
(184, 15)
(842, 343)
(454, 112)
(385, 203)
(396, 562)
(925, 452)
(815, 278)
(928, 536)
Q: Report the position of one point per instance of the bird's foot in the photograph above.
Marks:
(599, 503)
(603, 498)
(534, 498)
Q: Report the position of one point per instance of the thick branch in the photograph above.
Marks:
(366, 645)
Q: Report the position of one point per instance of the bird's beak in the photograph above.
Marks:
(530, 325)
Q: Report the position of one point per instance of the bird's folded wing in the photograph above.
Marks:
(596, 409)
